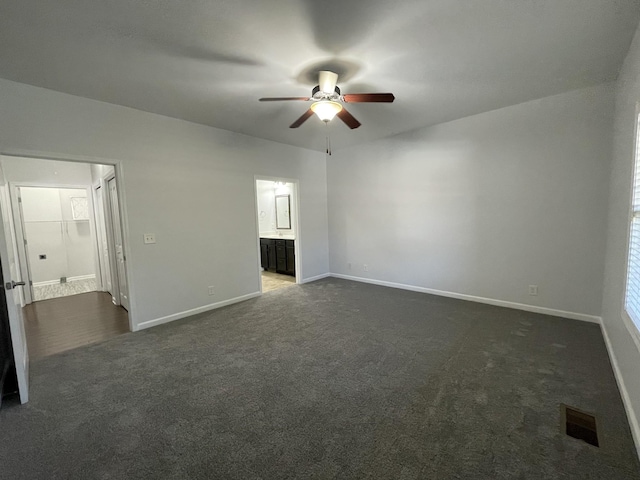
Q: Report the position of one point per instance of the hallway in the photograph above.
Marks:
(61, 324)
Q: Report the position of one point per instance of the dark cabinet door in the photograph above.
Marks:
(268, 254)
(278, 255)
(264, 255)
(271, 245)
(281, 258)
(291, 258)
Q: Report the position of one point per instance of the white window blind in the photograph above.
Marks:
(632, 294)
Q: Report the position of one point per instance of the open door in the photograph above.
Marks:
(16, 218)
(10, 274)
(121, 265)
(103, 243)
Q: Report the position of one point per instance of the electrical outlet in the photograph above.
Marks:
(211, 290)
(366, 267)
(149, 238)
(533, 290)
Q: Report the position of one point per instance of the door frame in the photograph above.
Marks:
(296, 230)
(20, 232)
(122, 201)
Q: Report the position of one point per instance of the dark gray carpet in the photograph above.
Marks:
(332, 379)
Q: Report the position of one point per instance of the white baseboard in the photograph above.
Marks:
(626, 399)
(81, 277)
(471, 298)
(193, 311)
(317, 277)
(69, 279)
(46, 282)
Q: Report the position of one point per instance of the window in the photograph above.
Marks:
(632, 293)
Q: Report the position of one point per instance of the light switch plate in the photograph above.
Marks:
(149, 238)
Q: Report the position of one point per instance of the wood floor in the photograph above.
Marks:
(60, 324)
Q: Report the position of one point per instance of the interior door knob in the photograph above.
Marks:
(11, 285)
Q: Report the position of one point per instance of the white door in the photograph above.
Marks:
(14, 310)
(103, 244)
(121, 265)
(16, 219)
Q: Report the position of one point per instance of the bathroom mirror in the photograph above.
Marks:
(283, 212)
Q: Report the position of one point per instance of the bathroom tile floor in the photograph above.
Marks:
(274, 281)
(45, 292)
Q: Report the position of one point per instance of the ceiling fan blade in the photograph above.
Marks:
(349, 119)
(280, 99)
(369, 97)
(327, 81)
(305, 116)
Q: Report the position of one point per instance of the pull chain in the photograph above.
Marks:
(328, 140)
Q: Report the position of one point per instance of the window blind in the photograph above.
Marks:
(632, 293)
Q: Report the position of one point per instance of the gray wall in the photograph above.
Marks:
(622, 334)
(43, 172)
(483, 206)
(191, 185)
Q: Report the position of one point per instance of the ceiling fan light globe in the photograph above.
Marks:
(326, 110)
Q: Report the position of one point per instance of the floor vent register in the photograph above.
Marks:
(580, 425)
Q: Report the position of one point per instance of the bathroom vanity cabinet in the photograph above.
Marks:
(278, 255)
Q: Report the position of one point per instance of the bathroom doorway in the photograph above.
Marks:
(59, 241)
(277, 214)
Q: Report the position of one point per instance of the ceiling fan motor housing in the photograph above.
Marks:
(318, 94)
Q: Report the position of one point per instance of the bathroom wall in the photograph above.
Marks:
(267, 191)
(52, 230)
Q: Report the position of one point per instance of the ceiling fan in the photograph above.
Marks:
(328, 101)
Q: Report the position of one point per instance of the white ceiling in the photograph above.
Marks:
(208, 61)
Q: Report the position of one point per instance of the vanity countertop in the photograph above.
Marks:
(275, 236)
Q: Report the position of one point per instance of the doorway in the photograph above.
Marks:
(278, 239)
(58, 241)
(69, 241)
